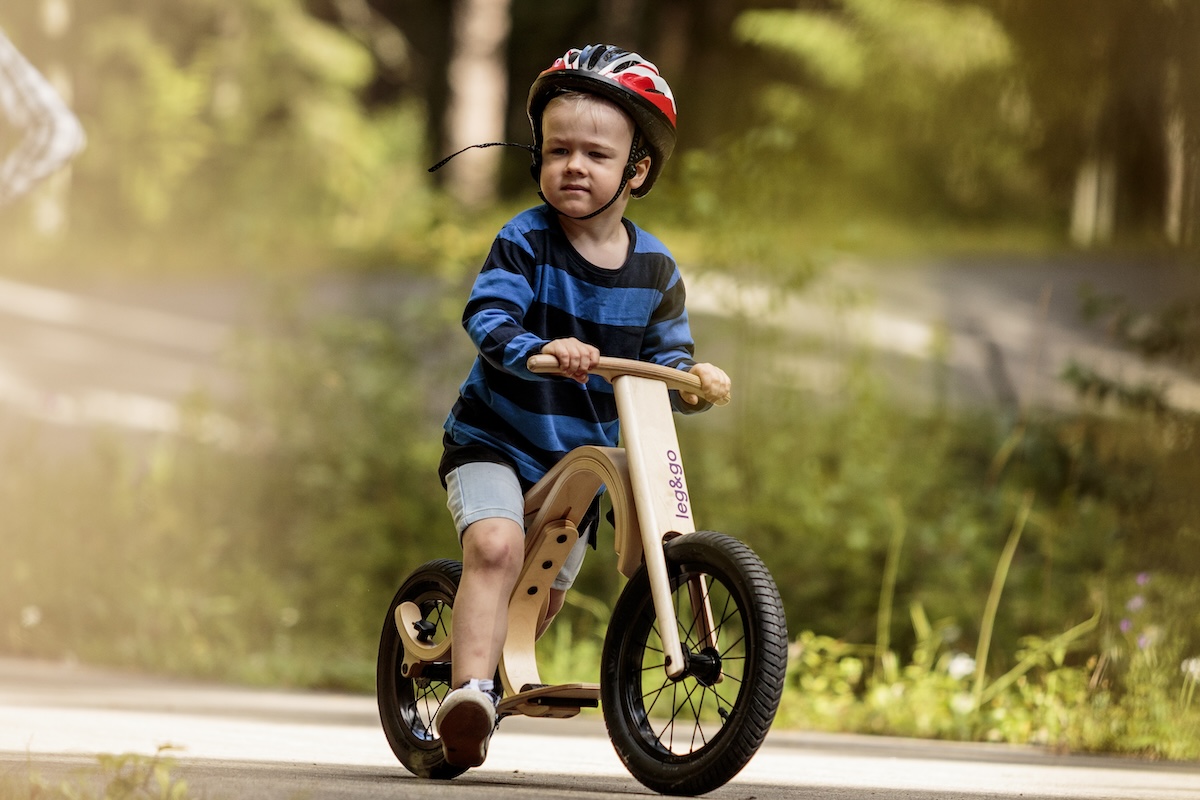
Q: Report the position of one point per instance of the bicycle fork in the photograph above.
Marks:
(664, 508)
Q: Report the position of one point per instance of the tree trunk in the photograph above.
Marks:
(478, 97)
(1175, 135)
(1094, 210)
(1181, 132)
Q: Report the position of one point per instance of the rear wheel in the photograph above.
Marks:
(690, 735)
(407, 704)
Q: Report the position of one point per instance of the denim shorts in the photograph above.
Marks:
(484, 490)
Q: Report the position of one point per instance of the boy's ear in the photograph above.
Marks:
(636, 173)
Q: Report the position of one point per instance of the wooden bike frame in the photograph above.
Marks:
(647, 485)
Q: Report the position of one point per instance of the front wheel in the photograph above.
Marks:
(407, 704)
(690, 735)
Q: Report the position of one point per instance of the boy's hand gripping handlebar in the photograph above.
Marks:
(610, 368)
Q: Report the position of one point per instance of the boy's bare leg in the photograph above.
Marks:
(493, 551)
(553, 606)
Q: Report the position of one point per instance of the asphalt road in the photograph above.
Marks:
(991, 332)
(76, 360)
(243, 743)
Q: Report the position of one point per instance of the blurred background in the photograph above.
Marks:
(947, 248)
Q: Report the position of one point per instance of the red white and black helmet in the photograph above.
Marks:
(625, 78)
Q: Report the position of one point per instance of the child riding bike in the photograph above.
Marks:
(571, 278)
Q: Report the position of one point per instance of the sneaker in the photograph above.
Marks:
(465, 722)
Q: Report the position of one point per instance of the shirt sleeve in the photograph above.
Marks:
(668, 339)
(500, 298)
(50, 135)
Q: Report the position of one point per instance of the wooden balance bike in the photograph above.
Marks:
(693, 661)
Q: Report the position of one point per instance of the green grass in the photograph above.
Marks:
(128, 776)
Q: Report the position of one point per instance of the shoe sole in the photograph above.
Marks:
(465, 729)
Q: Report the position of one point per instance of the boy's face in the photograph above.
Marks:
(585, 148)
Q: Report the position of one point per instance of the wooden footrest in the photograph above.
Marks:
(560, 701)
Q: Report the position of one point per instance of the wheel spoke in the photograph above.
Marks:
(696, 711)
(655, 694)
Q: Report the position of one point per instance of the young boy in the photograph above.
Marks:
(573, 279)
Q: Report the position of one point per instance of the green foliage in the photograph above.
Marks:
(1046, 701)
(1169, 335)
(272, 558)
(927, 40)
(870, 126)
(231, 134)
(894, 103)
(346, 421)
(285, 134)
(128, 776)
(570, 651)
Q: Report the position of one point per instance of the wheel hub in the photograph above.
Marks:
(704, 666)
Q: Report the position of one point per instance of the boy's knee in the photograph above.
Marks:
(494, 544)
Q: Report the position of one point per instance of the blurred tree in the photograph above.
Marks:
(478, 76)
(1116, 89)
(241, 125)
(689, 41)
(886, 105)
(201, 112)
(427, 29)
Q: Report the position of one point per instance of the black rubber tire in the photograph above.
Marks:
(691, 736)
(407, 705)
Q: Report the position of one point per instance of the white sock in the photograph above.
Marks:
(482, 685)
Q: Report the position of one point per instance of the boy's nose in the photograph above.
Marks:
(575, 162)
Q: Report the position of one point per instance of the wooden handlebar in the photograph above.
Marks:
(610, 368)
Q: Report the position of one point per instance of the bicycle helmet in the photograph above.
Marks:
(625, 78)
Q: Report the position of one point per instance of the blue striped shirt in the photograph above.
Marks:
(535, 287)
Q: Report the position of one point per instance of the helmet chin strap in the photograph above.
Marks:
(446, 160)
(595, 213)
(636, 153)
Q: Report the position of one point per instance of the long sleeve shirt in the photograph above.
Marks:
(49, 135)
(535, 287)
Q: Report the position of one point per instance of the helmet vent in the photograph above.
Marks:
(597, 54)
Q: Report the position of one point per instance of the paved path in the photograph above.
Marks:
(236, 742)
(1004, 329)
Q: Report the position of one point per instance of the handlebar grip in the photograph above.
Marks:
(611, 368)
